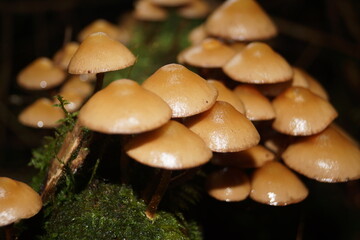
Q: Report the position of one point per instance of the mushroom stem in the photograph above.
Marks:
(183, 177)
(8, 229)
(159, 193)
(99, 81)
(124, 161)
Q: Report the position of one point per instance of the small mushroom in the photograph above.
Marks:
(100, 25)
(210, 53)
(145, 10)
(41, 74)
(276, 185)
(17, 201)
(184, 91)
(299, 112)
(240, 20)
(329, 156)
(41, 114)
(258, 63)
(226, 95)
(172, 146)
(224, 129)
(228, 184)
(194, 9)
(124, 107)
(257, 106)
(63, 56)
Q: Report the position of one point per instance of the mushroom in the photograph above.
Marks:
(258, 63)
(145, 10)
(257, 106)
(276, 185)
(124, 107)
(197, 34)
(98, 53)
(40, 74)
(184, 91)
(226, 95)
(228, 184)
(41, 114)
(210, 53)
(17, 201)
(194, 9)
(329, 156)
(63, 56)
(100, 25)
(170, 147)
(240, 20)
(224, 129)
(299, 112)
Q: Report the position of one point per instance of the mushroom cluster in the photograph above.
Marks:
(257, 120)
(289, 108)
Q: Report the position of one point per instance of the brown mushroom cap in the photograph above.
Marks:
(100, 25)
(197, 34)
(17, 201)
(224, 129)
(328, 156)
(124, 107)
(257, 63)
(76, 85)
(313, 84)
(172, 146)
(64, 55)
(241, 20)
(299, 79)
(276, 185)
(210, 53)
(273, 89)
(226, 95)
(228, 184)
(253, 157)
(301, 112)
(194, 9)
(99, 53)
(257, 106)
(184, 91)
(40, 74)
(147, 11)
(41, 114)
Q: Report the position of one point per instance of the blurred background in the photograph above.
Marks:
(322, 37)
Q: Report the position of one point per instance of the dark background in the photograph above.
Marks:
(322, 36)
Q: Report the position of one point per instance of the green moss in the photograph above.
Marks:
(109, 211)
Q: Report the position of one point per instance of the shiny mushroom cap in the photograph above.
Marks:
(257, 106)
(184, 91)
(301, 112)
(253, 157)
(210, 53)
(41, 74)
(226, 95)
(100, 25)
(17, 201)
(329, 156)
(145, 10)
(276, 185)
(63, 56)
(240, 20)
(228, 184)
(224, 129)
(41, 114)
(99, 53)
(124, 107)
(258, 63)
(172, 146)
